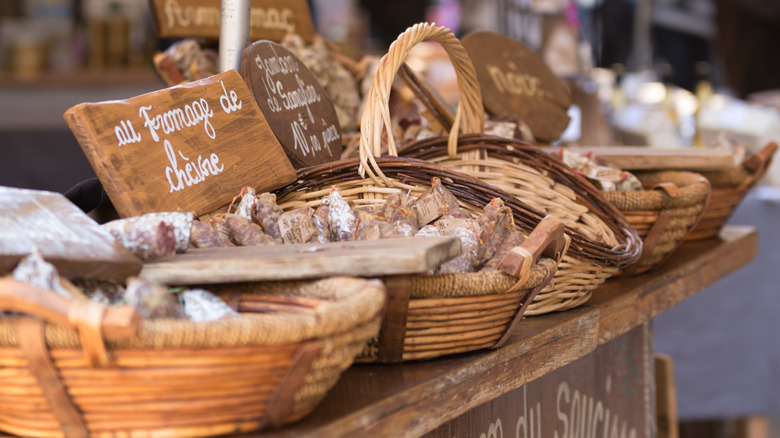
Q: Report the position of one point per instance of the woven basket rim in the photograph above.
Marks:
(348, 302)
(467, 189)
(511, 149)
(693, 186)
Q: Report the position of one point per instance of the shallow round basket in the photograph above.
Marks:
(434, 315)
(602, 243)
(602, 240)
(663, 214)
(92, 371)
(729, 189)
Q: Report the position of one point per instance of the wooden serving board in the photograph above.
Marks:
(64, 235)
(651, 158)
(186, 148)
(367, 258)
(269, 19)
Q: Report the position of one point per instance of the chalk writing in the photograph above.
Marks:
(178, 177)
(125, 133)
(229, 104)
(176, 119)
(209, 16)
(495, 430)
(580, 416)
(514, 82)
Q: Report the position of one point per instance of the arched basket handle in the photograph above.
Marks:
(469, 117)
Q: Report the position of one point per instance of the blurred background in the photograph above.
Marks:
(665, 73)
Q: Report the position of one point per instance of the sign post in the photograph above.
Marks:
(233, 33)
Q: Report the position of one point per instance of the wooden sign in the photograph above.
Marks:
(64, 235)
(186, 148)
(652, 158)
(364, 258)
(269, 19)
(604, 394)
(294, 103)
(514, 80)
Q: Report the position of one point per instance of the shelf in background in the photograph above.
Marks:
(108, 77)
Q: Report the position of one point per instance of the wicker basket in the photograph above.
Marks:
(493, 301)
(472, 311)
(602, 241)
(728, 190)
(176, 378)
(663, 214)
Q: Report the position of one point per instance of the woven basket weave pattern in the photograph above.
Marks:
(643, 209)
(184, 379)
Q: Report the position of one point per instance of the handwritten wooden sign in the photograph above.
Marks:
(515, 80)
(604, 394)
(187, 148)
(294, 103)
(269, 19)
(64, 235)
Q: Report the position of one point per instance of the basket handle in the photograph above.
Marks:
(757, 163)
(93, 321)
(376, 116)
(548, 239)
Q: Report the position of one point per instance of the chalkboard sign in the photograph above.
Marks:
(269, 19)
(515, 80)
(64, 235)
(187, 148)
(294, 103)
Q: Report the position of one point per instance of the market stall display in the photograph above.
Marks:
(602, 241)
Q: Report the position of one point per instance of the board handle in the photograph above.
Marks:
(758, 162)
(93, 321)
(469, 116)
(547, 239)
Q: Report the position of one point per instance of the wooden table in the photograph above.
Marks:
(566, 374)
(596, 354)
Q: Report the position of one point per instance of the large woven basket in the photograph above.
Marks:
(430, 316)
(434, 315)
(602, 241)
(95, 372)
(729, 189)
(663, 214)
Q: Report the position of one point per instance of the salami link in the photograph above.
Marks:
(267, 212)
(244, 232)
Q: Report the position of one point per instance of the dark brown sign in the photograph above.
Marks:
(516, 81)
(187, 148)
(269, 19)
(64, 235)
(604, 394)
(294, 103)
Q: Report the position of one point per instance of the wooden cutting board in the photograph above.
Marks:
(367, 258)
(64, 235)
(651, 158)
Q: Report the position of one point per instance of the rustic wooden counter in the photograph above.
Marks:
(421, 398)
(586, 372)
